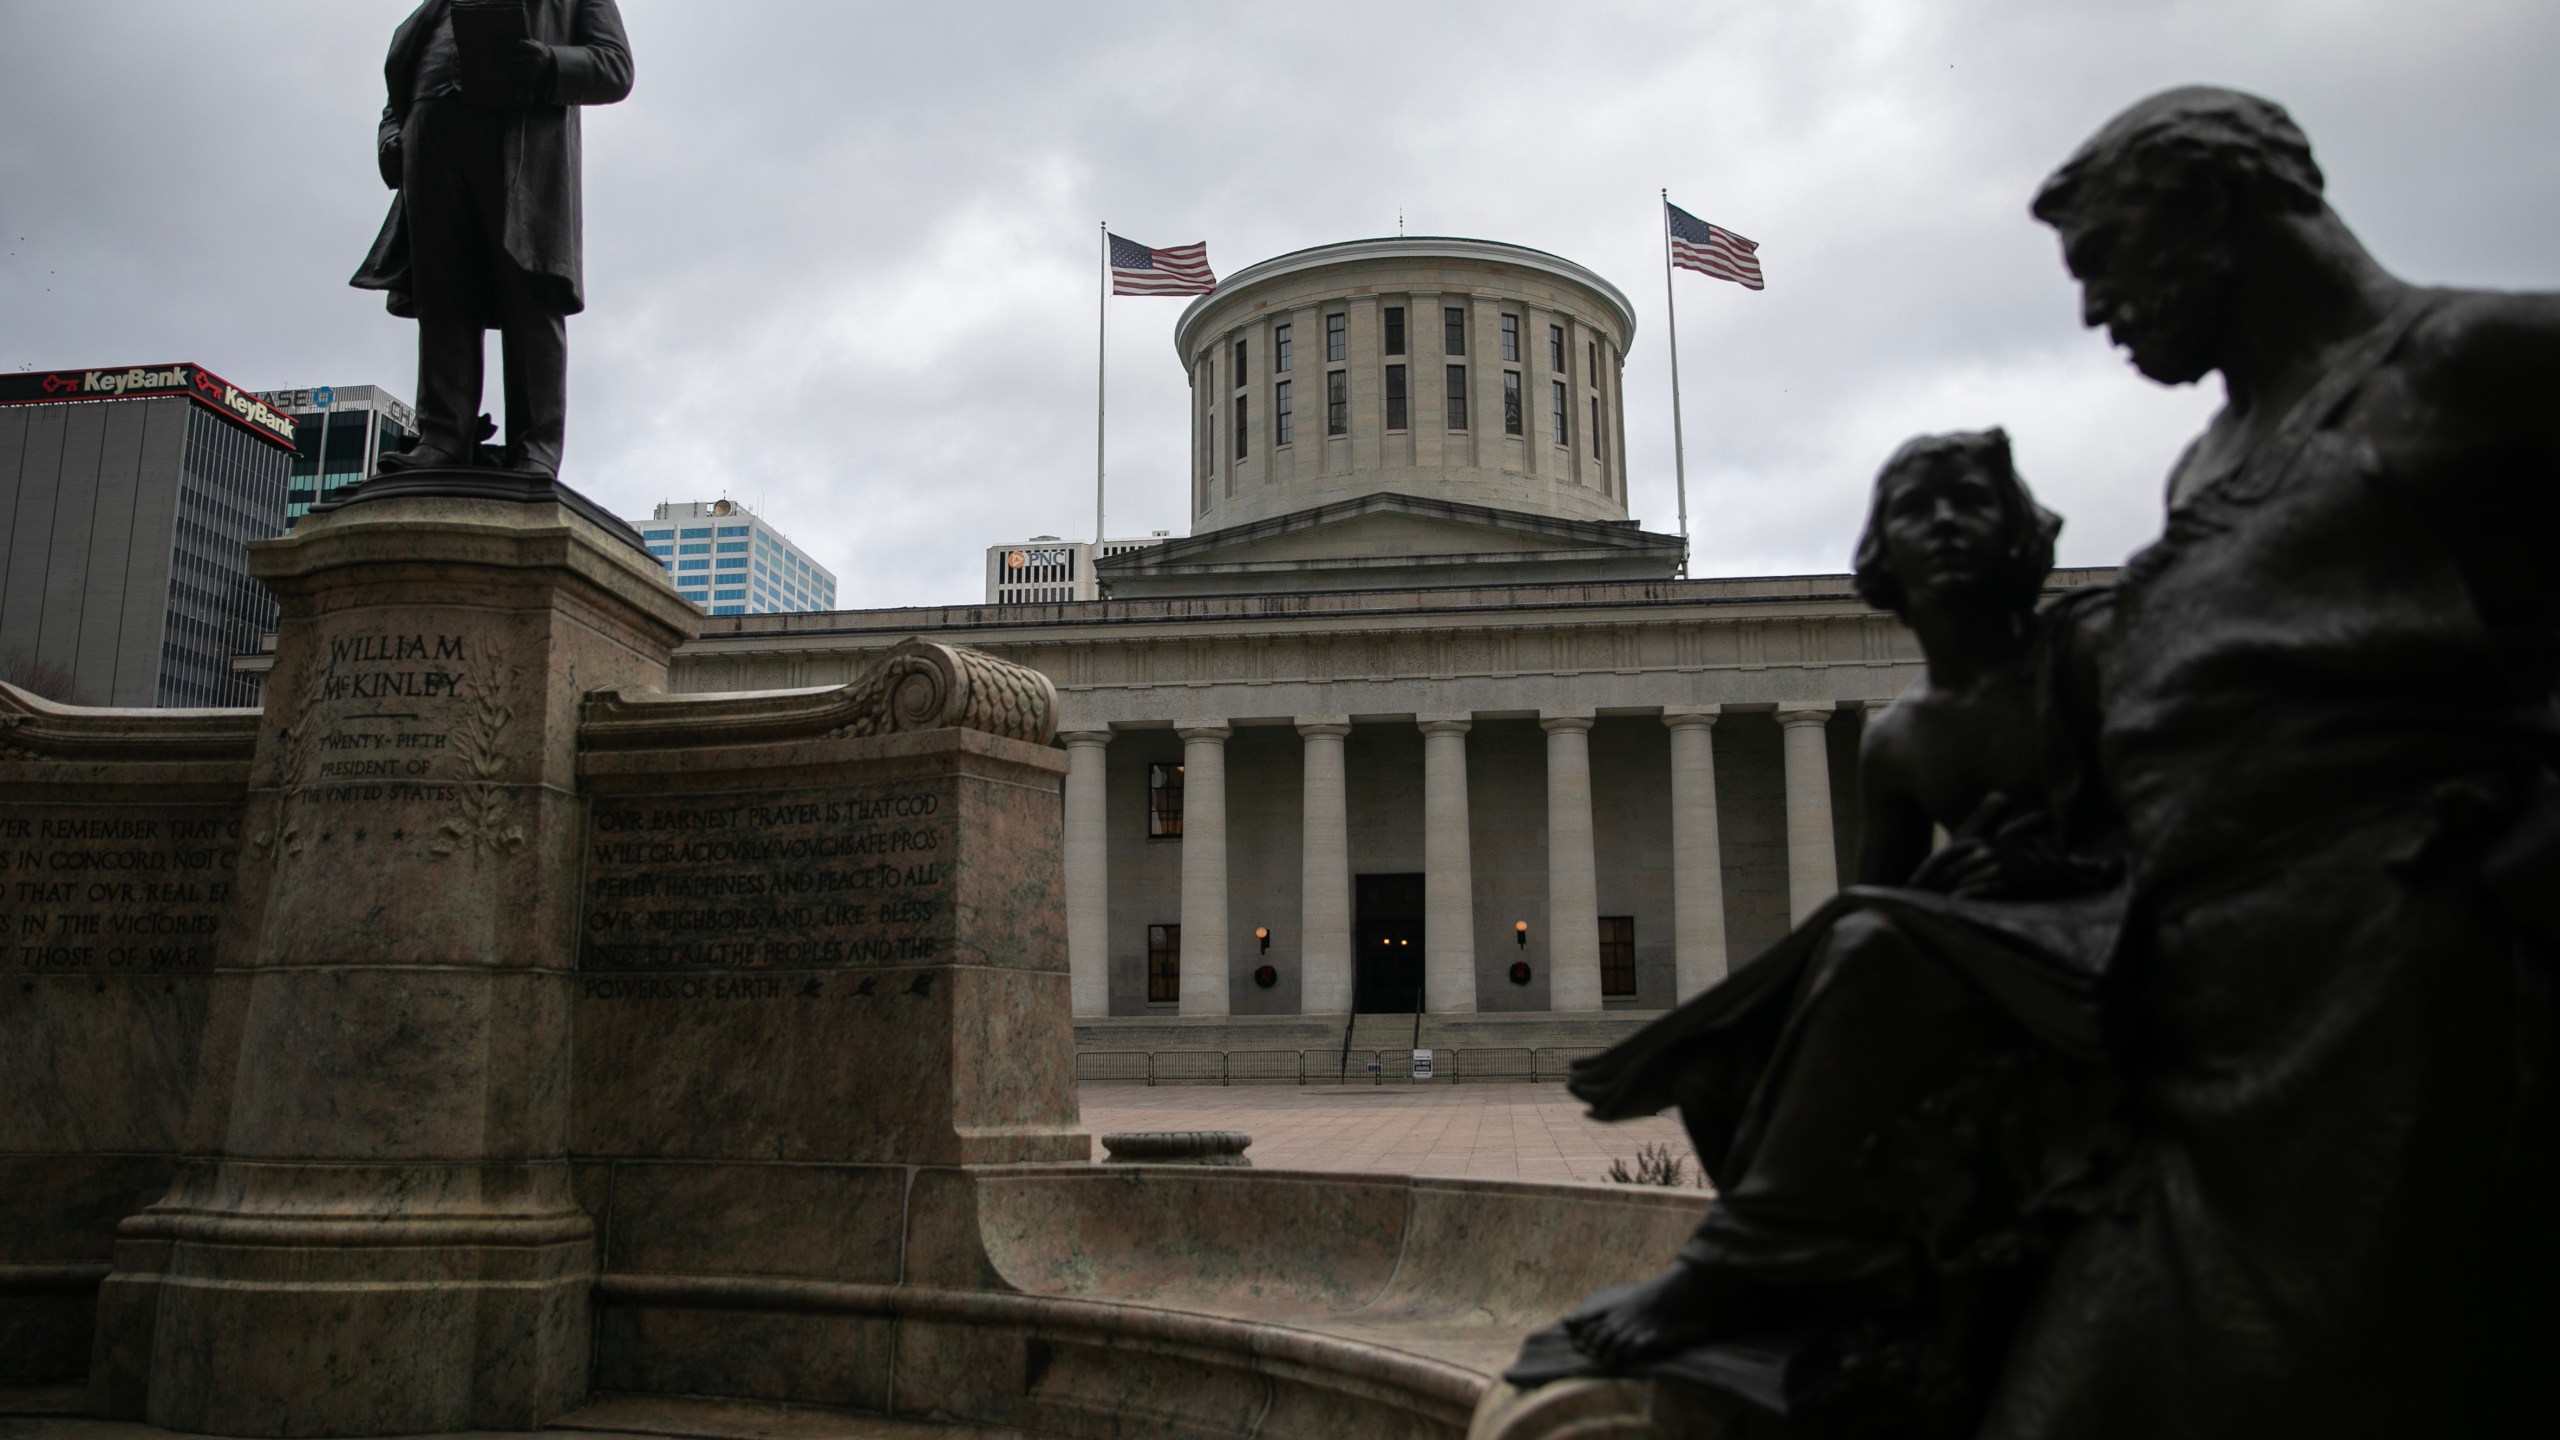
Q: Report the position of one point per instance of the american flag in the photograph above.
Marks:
(1174, 270)
(1713, 250)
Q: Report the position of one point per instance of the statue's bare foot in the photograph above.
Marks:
(1683, 1306)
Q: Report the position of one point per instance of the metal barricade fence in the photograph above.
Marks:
(1126, 1066)
(1266, 1067)
(1554, 1060)
(1332, 1066)
(1188, 1067)
(1484, 1065)
(1491, 1066)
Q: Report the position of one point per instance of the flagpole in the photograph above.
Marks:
(1679, 450)
(1101, 362)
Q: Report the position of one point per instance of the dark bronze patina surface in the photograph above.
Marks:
(479, 142)
(2252, 1142)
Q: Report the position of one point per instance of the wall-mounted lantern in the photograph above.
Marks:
(1262, 936)
(1520, 932)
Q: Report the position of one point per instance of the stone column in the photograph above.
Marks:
(1573, 885)
(376, 1232)
(1448, 865)
(1813, 866)
(1086, 837)
(1697, 850)
(1204, 866)
(1324, 887)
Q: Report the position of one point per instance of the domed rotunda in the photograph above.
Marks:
(1403, 411)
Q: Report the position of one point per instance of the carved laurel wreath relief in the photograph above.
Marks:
(479, 742)
(289, 759)
(289, 762)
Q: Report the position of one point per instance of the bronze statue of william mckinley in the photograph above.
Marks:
(2318, 715)
(480, 140)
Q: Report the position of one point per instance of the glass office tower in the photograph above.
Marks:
(730, 562)
(127, 501)
(338, 432)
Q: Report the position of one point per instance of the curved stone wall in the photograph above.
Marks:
(1338, 308)
(1089, 1301)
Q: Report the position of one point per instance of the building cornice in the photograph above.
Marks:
(1401, 247)
(1777, 597)
(1593, 536)
(1394, 609)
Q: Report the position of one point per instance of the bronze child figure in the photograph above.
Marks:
(1957, 549)
(1853, 1224)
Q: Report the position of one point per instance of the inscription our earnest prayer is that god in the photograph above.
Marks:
(731, 881)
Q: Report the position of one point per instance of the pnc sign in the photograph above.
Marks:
(240, 407)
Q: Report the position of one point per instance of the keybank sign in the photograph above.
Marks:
(120, 382)
(195, 382)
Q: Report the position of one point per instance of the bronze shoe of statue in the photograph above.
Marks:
(416, 457)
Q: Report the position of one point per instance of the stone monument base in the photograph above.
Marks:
(1602, 1410)
(478, 1030)
(220, 1314)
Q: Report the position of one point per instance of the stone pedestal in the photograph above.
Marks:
(824, 945)
(827, 927)
(382, 1237)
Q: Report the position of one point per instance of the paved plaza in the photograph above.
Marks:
(1497, 1132)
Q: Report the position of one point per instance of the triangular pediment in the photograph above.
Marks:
(1391, 538)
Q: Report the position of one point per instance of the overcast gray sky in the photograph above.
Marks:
(841, 256)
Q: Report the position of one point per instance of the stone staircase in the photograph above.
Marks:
(1481, 1046)
(1389, 1031)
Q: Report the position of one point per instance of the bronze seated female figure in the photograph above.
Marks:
(1892, 1100)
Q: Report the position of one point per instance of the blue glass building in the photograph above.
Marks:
(727, 560)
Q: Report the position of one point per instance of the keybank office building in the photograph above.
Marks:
(127, 498)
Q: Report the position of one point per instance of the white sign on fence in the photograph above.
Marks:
(1421, 1064)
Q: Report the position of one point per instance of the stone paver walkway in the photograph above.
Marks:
(1505, 1132)
(631, 1417)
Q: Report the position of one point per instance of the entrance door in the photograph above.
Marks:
(1387, 959)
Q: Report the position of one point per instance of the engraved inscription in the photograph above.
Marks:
(115, 889)
(417, 717)
(379, 707)
(720, 883)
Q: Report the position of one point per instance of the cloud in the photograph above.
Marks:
(841, 257)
